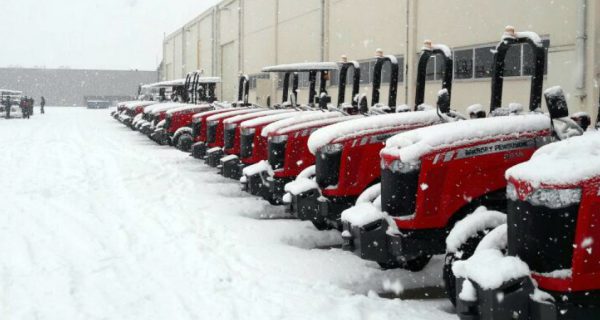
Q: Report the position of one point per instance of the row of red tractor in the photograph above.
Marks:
(510, 196)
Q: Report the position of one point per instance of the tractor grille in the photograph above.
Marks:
(277, 154)
(399, 191)
(246, 145)
(328, 168)
(229, 137)
(542, 237)
(211, 133)
(196, 127)
(167, 124)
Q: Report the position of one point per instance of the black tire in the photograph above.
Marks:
(467, 249)
(321, 225)
(184, 142)
(417, 264)
(389, 265)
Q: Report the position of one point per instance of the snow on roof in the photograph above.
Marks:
(232, 113)
(303, 117)
(268, 119)
(168, 83)
(411, 145)
(189, 107)
(565, 162)
(209, 80)
(367, 125)
(317, 123)
(266, 112)
(305, 66)
(9, 91)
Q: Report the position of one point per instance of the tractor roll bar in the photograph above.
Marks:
(393, 80)
(345, 68)
(186, 91)
(429, 50)
(286, 86)
(244, 89)
(511, 38)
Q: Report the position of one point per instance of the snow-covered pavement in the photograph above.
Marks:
(98, 222)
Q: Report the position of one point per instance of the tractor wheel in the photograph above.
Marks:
(321, 225)
(465, 251)
(389, 265)
(184, 142)
(417, 264)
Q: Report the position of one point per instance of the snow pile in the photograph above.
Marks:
(478, 221)
(269, 119)
(468, 292)
(228, 158)
(308, 172)
(369, 125)
(370, 194)
(496, 239)
(317, 123)
(411, 145)
(443, 48)
(300, 185)
(183, 130)
(489, 268)
(362, 214)
(231, 113)
(257, 168)
(534, 37)
(566, 162)
(475, 108)
(213, 150)
(244, 117)
(300, 118)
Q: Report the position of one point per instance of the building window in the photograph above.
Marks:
(254, 77)
(477, 62)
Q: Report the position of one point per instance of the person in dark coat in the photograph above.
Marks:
(42, 104)
(31, 103)
(24, 104)
(7, 106)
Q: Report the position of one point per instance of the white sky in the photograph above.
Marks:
(102, 34)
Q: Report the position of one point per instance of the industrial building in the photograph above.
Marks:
(73, 87)
(243, 36)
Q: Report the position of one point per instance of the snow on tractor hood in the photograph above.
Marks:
(368, 125)
(232, 113)
(197, 116)
(305, 116)
(243, 117)
(411, 145)
(189, 107)
(562, 163)
(317, 124)
(135, 104)
(268, 119)
(166, 106)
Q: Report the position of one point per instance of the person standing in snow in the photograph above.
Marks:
(7, 105)
(42, 104)
(24, 104)
(31, 103)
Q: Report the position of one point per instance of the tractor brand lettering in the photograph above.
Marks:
(494, 148)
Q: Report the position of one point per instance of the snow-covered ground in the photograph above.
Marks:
(98, 222)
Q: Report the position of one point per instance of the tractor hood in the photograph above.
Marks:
(411, 145)
(198, 116)
(370, 125)
(135, 104)
(244, 117)
(567, 162)
(267, 119)
(306, 116)
(316, 124)
(232, 113)
(161, 107)
(189, 108)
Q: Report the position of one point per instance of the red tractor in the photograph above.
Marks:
(238, 129)
(176, 130)
(283, 139)
(544, 262)
(347, 154)
(432, 177)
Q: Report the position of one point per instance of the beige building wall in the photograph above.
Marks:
(252, 34)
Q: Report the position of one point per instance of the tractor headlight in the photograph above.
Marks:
(279, 139)
(403, 167)
(555, 198)
(332, 148)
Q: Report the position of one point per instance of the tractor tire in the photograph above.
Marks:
(321, 225)
(416, 264)
(184, 142)
(466, 249)
(389, 265)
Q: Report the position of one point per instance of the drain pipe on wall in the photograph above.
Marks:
(580, 49)
(406, 53)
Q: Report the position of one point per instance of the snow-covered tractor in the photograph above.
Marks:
(543, 261)
(347, 154)
(433, 177)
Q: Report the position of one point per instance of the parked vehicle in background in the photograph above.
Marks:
(98, 104)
